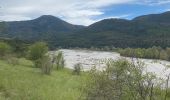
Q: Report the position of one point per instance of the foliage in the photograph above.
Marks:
(151, 53)
(59, 60)
(4, 49)
(23, 82)
(123, 80)
(13, 61)
(46, 65)
(37, 51)
(77, 69)
(143, 32)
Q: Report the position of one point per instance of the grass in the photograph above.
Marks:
(23, 82)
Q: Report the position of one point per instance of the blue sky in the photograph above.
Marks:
(130, 11)
(82, 12)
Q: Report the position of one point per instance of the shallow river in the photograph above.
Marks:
(88, 59)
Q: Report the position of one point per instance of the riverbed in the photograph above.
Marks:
(89, 59)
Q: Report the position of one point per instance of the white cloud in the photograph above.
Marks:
(153, 2)
(73, 11)
(13, 18)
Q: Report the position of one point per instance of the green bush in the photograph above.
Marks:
(150, 53)
(46, 65)
(4, 49)
(37, 51)
(59, 60)
(13, 61)
(122, 80)
(77, 69)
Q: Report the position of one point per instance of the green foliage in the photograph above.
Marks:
(13, 61)
(46, 65)
(163, 55)
(123, 80)
(4, 49)
(18, 47)
(150, 53)
(23, 82)
(168, 53)
(77, 69)
(142, 32)
(37, 51)
(59, 60)
(38, 54)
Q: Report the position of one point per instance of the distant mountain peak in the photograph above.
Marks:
(155, 18)
(47, 17)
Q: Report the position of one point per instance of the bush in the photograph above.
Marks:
(59, 60)
(37, 51)
(150, 53)
(4, 49)
(13, 61)
(163, 55)
(46, 65)
(122, 80)
(77, 69)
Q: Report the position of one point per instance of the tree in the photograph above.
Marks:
(122, 80)
(2, 27)
(168, 53)
(59, 60)
(163, 55)
(77, 69)
(46, 65)
(37, 51)
(4, 49)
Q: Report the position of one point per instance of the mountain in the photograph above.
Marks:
(163, 19)
(143, 31)
(37, 28)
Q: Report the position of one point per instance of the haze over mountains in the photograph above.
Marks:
(142, 31)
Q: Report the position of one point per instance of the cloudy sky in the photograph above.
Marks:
(82, 12)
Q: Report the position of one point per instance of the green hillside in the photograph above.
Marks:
(23, 82)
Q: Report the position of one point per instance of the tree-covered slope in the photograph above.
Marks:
(39, 28)
(142, 31)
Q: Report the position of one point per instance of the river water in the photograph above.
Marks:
(89, 59)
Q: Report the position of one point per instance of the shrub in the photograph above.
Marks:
(59, 60)
(77, 69)
(163, 55)
(46, 65)
(150, 53)
(37, 51)
(122, 80)
(13, 61)
(4, 49)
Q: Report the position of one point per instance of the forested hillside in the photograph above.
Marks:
(143, 31)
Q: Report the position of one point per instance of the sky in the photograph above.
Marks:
(80, 12)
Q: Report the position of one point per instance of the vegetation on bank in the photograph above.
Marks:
(38, 75)
(123, 80)
(150, 53)
(25, 82)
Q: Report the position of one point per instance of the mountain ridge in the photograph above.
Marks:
(142, 31)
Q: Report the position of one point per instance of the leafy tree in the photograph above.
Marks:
(168, 53)
(4, 49)
(46, 65)
(122, 80)
(37, 51)
(77, 69)
(59, 60)
(163, 55)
